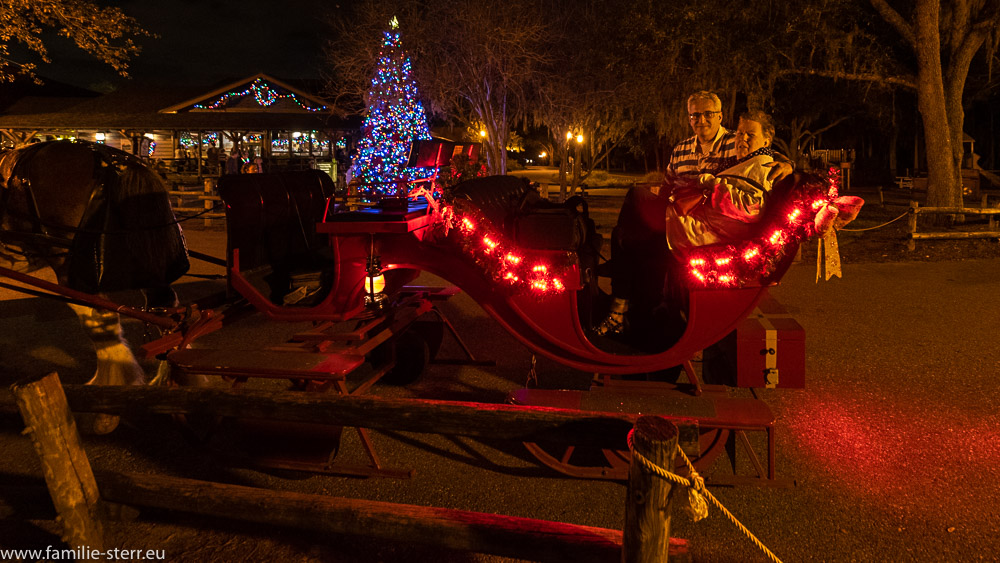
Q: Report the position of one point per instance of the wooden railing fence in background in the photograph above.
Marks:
(181, 200)
(990, 232)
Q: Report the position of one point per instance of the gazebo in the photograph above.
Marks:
(175, 124)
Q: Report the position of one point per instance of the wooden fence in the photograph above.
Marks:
(990, 232)
(84, 500)
(202, 200)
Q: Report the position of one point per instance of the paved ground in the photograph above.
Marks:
(893, 445)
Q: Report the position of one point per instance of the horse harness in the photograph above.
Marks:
(41, 233)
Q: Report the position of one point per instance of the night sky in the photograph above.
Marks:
(209, 40)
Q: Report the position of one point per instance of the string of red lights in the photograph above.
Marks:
(807, 211)
(514, 269)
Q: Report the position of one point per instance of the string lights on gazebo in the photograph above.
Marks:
(264, 93)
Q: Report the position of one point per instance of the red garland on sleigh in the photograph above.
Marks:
(514, 269)
(812, 208)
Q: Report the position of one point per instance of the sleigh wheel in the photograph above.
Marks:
(593, 463)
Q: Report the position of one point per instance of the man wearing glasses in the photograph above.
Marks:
(711, 143)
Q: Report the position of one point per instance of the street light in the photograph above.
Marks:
(579, 139)
(482, 133)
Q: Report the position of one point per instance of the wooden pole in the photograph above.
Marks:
(67, 471)
(646, 538)
(506, 536)
(911, 244)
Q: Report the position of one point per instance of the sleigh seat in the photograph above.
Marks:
(517, 210)
(271, 221)
(534, 223)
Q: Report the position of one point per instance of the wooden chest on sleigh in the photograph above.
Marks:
(767, 350)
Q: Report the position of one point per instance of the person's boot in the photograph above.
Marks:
(615, 323)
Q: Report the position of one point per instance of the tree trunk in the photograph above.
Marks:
(893, 147)
(966, 40)
(942, 190)
(956, 124)
(496, 154)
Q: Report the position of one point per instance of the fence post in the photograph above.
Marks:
(912, 243)
(67, 471)
(646, 537)
(209, 203)
(991, 218)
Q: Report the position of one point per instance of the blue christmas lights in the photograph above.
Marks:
(394, 120)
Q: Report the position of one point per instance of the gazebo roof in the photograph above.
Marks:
(257, 102)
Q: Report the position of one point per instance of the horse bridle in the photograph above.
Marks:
(105, 161)
(41, 230)
(39, 234)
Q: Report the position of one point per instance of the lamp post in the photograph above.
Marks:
(562, 166)
(576, 164)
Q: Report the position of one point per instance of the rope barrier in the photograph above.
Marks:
(877, 226)
(697, 490)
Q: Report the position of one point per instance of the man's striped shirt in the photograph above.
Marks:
(687, 161)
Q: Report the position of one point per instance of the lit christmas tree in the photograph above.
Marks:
(394, 120)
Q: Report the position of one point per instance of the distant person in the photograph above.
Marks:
(234, 163)
(180, 158)
(352, 167)
(213, 157)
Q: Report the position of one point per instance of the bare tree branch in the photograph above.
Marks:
(909, 82)
(890, 15)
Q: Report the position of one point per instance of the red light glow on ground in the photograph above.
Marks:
(908, 453)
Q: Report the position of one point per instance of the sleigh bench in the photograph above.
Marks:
(272, 227)
(526, 218)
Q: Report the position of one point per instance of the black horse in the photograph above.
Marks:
(102, 221)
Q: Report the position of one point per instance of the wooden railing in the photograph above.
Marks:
(185, 201)
(990, 232)
(84, 499)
